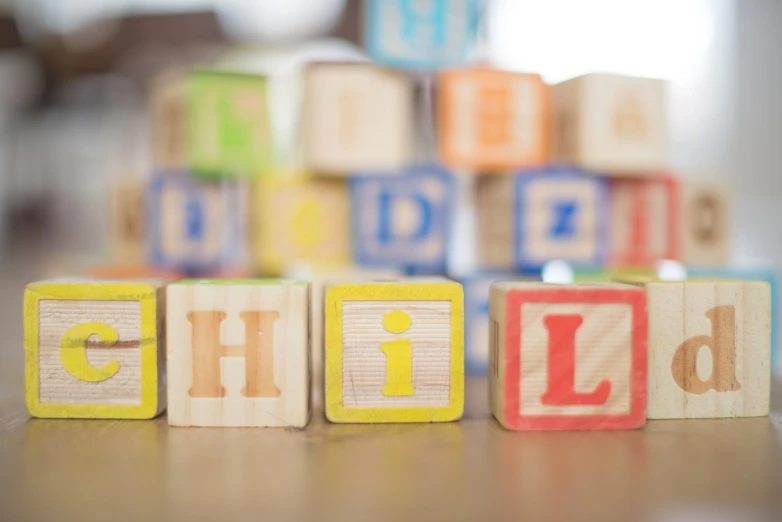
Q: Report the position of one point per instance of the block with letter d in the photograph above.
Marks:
(403, 221)
(196, 226)
(394, 351)
(535, 216)
(238, 352)
(567, 357)
(709, 349)
(420, 33)
(94, 349)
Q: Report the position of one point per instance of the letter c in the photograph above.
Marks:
(73, 351)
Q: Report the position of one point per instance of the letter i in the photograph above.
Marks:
(399, 356)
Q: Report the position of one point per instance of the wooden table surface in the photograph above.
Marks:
(695, 470)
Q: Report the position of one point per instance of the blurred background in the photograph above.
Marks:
(79, 80)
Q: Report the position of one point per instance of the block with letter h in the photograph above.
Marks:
(709, 349)
(394, 351)
(568, 357)
(535, 216)
(94, 349)
(196, 226)
(238, 353)
(491, 120)
(420, 34)
(403, 221)
(228, 132)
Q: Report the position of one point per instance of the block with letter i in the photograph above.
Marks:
(94, 349)
(356, 116)
(403, 221)
(534, 216)
(492, 120)
(709, 349)
(567, 357)
(196, 226)
(394, 351)
(238, 353)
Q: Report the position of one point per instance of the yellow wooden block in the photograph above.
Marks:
(128, 223)
(394, 351)
(709, 349)
(238, 353)
(301, 220)
(93, 349)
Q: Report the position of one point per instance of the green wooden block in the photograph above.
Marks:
(227, 121)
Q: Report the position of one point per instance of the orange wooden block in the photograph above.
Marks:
(491, 119)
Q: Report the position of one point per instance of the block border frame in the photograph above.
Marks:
(515, 298)
(92, 291)
(335, 296)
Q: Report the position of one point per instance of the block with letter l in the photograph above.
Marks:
(394, 351)
(403, 221)
(238, 352)
(567, 357)
(94, 349)
(709, 349)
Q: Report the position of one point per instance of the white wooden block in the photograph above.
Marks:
(238, 353)
(357, 117)
(709, 349)
(610, 123)
(705, 226)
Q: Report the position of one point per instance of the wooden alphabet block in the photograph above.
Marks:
(403, 221)
(567, 357)
(196, 226)
(238, 353)
(705, 225)
(612, 124)
(167, 104)
(128, 223)
(356, 117)
(94, 349)
(415, 34)
(532, 217)
(394, 351)
(227, 121)
(709, 349)
(490, 119)
(768, 275)
(645, 220)
(301, 220)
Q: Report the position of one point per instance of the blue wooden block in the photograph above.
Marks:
(559, 213)
(196, 226)
(403, 220)
(415, 34)
(754, 274)
(476, 317)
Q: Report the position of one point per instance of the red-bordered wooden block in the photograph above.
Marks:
(568, 357)
(645, 220)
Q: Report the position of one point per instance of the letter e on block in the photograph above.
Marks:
(394, 351)
(567, 357)
(94, 349)
(238, 353)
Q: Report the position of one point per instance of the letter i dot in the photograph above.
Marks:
(568, 357)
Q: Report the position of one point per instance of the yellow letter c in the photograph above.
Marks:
(73, 351)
